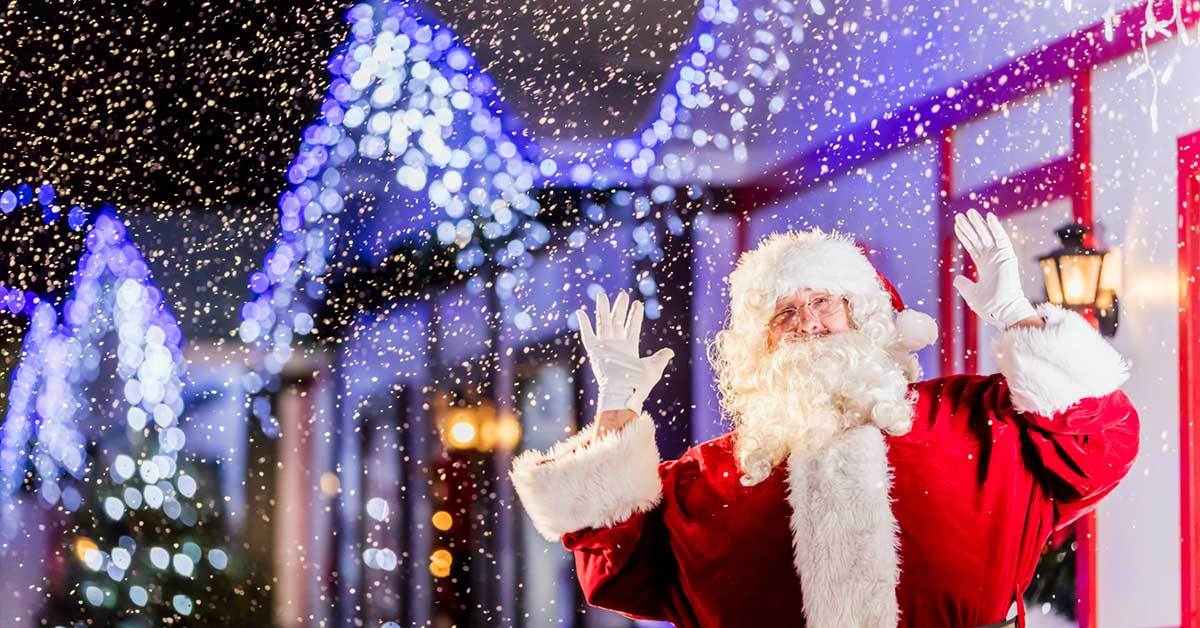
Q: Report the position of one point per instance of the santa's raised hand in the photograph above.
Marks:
(996, 294)
(623, 377)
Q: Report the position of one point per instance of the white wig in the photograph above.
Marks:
(871, 369)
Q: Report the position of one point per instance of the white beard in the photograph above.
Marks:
(811, 391)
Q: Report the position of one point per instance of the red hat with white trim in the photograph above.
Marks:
(788, 261)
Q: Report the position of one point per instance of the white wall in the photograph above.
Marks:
(1135, 198)
(1029, 132)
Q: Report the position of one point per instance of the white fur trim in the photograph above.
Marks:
(1050, 369)
(834, 264)
(844, 536)
(788, 261)
(578, 484)
(917, 330)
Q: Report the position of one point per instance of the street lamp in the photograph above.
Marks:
(1081, 278)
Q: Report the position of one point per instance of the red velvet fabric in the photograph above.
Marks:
(978, 488)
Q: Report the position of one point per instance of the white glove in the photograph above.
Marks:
(623, 377)
(996, 296)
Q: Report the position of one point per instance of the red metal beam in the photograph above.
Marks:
(970, 324)
(1189, 374)
(1081, 151)
(1017, 192)
(946, 266)
(1081, 208)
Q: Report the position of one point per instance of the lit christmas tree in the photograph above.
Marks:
(92, 426)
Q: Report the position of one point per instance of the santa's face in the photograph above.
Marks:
(821, 374)
(808, 313)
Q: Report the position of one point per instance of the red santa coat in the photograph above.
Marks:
(940, 527)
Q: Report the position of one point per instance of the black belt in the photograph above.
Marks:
(1008, 623)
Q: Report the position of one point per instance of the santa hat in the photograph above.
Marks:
(917, 330)
(786, 262)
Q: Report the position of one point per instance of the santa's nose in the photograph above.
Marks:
(810, 324)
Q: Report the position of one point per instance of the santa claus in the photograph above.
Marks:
(847, 494)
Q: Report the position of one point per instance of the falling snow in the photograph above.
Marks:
(286, 287)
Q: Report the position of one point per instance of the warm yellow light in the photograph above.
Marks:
(442, 520)
(1110, 280)
(461, 432)
(468, 428)
(508, 432)
(83, 545)
(487, 435)
(1080, 275)
(440, 562)
(1050, 276)
(1111, 273)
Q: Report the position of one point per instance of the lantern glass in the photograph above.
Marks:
(1110, 280)
(1080, 276)
(1110, 274)
(1054, 292)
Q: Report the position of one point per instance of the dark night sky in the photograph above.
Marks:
(184, 116)
(161, 103)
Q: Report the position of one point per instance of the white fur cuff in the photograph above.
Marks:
(597, 485)
(1050, 369)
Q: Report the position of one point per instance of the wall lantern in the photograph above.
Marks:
(1083, 278)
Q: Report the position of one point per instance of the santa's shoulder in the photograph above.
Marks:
(707, 476)
(714, 448)
(956, 386)
(708, 456)
(958, 403)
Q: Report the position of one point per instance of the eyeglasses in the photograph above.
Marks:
(821, 307)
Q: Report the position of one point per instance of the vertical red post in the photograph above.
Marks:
(1081, 207)
(1189, 374)
(970, 325)
(1081, 151)
(945, 236)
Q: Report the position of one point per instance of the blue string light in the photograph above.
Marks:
(111, 291)
(403, 87)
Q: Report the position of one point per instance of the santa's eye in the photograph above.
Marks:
(784, 317)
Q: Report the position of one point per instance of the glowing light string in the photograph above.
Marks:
(405, 88)
(39, 428)
(112, 291)
(711, 73)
